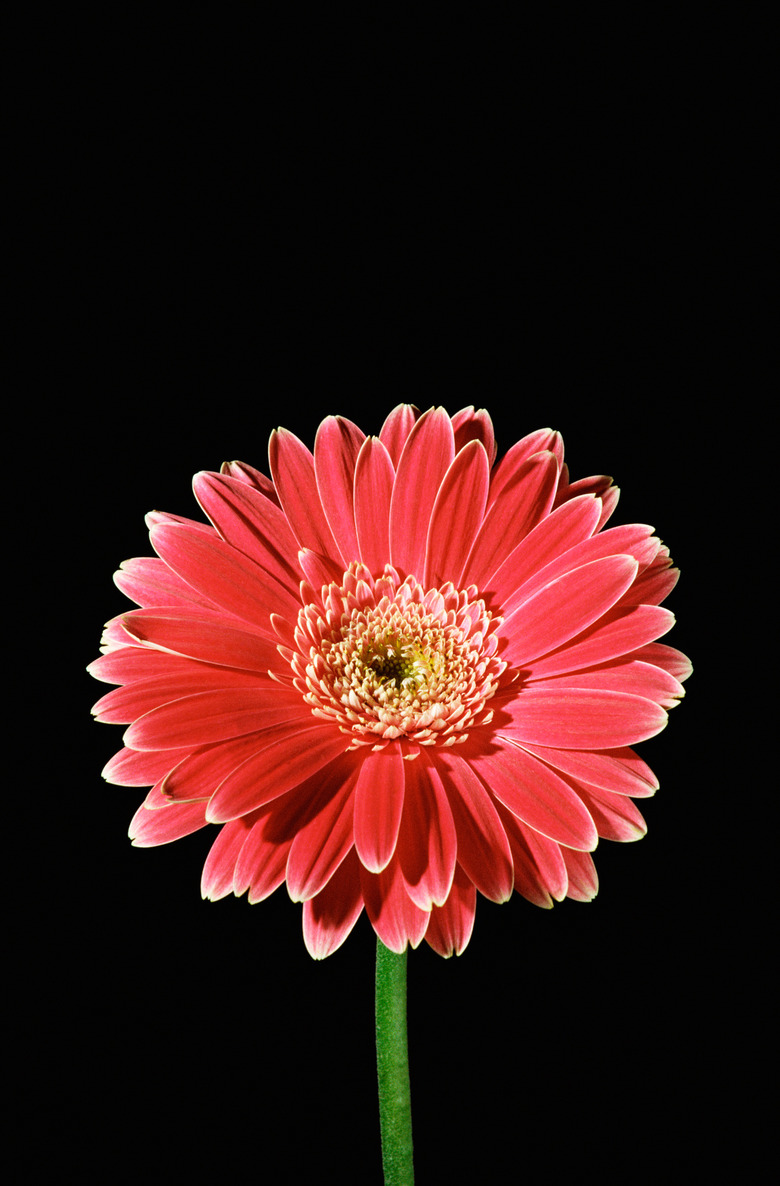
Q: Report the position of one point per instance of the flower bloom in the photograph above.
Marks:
(395, 675)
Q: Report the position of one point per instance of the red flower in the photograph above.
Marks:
(395, 675)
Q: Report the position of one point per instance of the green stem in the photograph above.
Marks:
(392, 1060)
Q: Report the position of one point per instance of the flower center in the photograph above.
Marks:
(385, 659)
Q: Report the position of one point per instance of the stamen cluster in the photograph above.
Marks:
(384, 659)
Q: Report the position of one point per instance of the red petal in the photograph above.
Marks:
(582, 719)
(292, 467)
(427, 840)
(457, 515)
(336, 449)
(426, 457)
(618, 633)
(394, 917)
(379, 801)
(483, 849)
(451, 925)
(215, 715)
(330, 917)
(374, 476)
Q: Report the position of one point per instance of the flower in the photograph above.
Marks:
(395, 675)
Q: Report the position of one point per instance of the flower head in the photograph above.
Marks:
(395, 675)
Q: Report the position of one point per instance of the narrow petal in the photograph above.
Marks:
(427, 840)
(396, 428)
(457, 515)
(671, 660)
(523, 502)
(618, 770)
(321, 844)
(582, 719)
(450, 926)
(470, 425)
(561, 610)
(251, 522)
(150, 828)
(199, 774)
(128, 703)
(583, 879)
(426, 457)
(540, 871)
(141, 768)
(535, 794)
(329, 918)
(394, 916)
(292, 755)
(215, 715)
(336, 449)
(624, 675)
(374, 477)
(483, 849)
(219, 870)
(379, 801)
(292, 467)
(560, 531)
(227, 577)
(615, 816)
(147, 580)
(261, 863)
(619, 632)
(205, 635)
(543, 440)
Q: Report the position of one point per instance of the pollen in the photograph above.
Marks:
(385, 658)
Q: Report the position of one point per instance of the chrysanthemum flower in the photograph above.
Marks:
(394, 675)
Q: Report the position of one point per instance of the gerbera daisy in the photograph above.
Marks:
(393, 675)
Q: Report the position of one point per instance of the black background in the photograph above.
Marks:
(218, 271)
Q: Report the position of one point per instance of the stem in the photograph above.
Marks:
(392, 1060)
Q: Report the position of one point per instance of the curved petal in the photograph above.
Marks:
(379, 801)
(618, 770)
(396, 428)
(561, 610)
(336, 449)
(148, 828)
(450, 926)
(394, 916)
(147, 580)
(292, 467)
(483, 849)
(215, 715)
(322, 843)
(582, 719)
(374, 477)
(330, 917)
(619, 632)
(205, 635)
(457, 515)
(218, 875)
(583, 879)
(427, 840)
(427, 455)
(470, 425)
(251, 522)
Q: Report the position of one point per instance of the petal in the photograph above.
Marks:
(427, 840)
(224, 575)
(543, 440)
(215, 715)
(457, 515)
(336, 449)
(330, 917)
(619, 632)
(199, 774)
(374, 477)
(468, 425)
(128, 703)
(619, 770)
(379, 801)
(148, 828)
(147, 580)
(141, 768)
(396, 428)
(624, 675)
(537, 795)
(291, 755)
(322, 843)
(561, 610)
(205, 635)
(483, 849)
(394, 917)
(450, 926)
(261, 863)
(219, 870)
(583, 879)
(292, 468)
(582, 718)
(661, 655)
(523, 502)
(250, 522)
(540, 871)
(426, 457)
(615, 816)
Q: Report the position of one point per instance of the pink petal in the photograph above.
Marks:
(535, 794)
(374, 477)
(560, 531)
(261, 863)
(150, 828)
(198, 775)
(330, 917)
(215, 715)
(205, 635)
(450, 926)
(227, 577)
(396, 428)
(218, 872)
(147, 580)
(540, 872)
(242, 472)
(128, 664)
(523, 502)
(320, 845)
(615, 816)
(582, 719)
(543, 440)
(336, 449)
(251, 522)
(127, 703)
(468, 425)
(618, 770)
(624, 675)
(379, 801)
(141, 768)
(618, 633)
(426, 457)
(291, 754)
(292, 467)
(661, 655)
(394, 917)
(427, 840)
(483, 849)
(583, 879)
(561, 610)
(457, 515)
